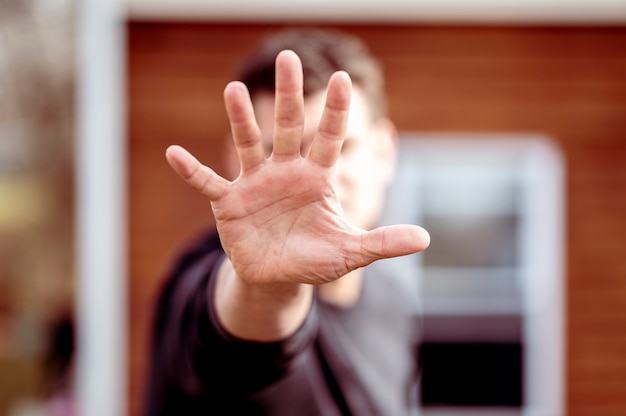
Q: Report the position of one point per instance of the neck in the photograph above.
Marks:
(344, 292)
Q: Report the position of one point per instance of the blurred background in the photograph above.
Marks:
(37, 123)
(91, 217)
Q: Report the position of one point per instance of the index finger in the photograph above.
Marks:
(331, 131)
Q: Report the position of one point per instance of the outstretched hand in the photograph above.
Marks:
(281, 220)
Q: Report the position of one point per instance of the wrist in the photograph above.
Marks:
(266, 312)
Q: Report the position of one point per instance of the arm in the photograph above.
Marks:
(278, 309)
(280, 221)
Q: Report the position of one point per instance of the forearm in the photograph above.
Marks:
(264, 313)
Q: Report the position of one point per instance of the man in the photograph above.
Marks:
(278, 315)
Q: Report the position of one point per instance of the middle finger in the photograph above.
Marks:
(289, 106)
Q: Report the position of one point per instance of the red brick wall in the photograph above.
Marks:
(567, 82)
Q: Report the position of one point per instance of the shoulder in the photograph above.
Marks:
(182, 287)
(206, 243)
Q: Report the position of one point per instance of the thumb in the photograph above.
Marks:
(392, 241)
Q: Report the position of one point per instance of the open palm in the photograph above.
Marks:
(280, 220)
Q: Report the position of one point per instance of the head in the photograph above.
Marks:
(322, 52)
(366, 163)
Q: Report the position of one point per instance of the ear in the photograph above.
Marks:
(386, 147)
(230, 158)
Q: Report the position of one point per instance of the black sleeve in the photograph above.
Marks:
(196, 365)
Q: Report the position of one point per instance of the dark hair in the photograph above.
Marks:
(322, 53)
(59, 355)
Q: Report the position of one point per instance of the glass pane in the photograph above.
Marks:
(474, 223)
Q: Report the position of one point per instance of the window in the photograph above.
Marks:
(491, 296)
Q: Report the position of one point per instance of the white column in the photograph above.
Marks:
(101, 210)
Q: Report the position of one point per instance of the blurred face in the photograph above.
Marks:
(365, 166)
